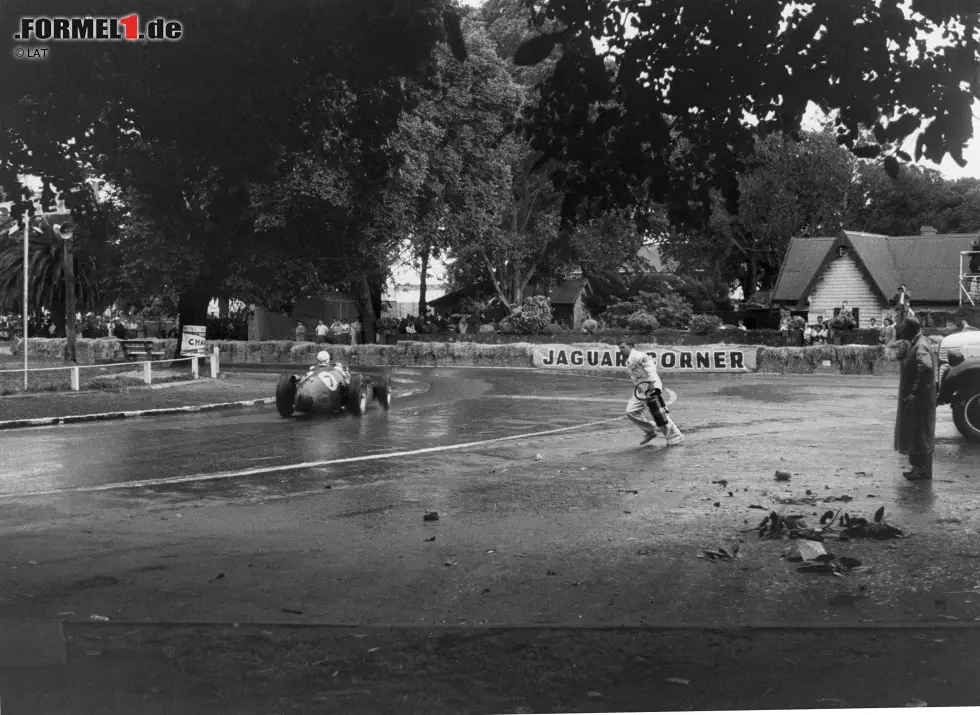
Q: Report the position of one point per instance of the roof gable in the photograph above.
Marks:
(928, 265)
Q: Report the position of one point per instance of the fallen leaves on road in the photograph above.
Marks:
(719, 554)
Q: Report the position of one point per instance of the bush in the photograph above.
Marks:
(552, 329)
(704, 324)
(590, 326)
(532, 317)
(797, 323)
(642, 321)
(671, 310)
(619, 311)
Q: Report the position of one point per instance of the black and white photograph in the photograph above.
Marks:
(489, 356)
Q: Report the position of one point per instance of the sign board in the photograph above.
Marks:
(192, 340)
(685, 359)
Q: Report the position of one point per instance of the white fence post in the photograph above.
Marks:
(75, 380)
(214, 364)
(195, 367)
(147, 375)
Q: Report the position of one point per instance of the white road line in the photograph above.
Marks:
(671, 398)
(301, 465)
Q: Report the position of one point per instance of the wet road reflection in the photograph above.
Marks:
(451, 410)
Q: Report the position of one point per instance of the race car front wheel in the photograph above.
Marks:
(383, 391)
(966, 416)
(285, 395)
(357, 399)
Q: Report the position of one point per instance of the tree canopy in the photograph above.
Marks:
(634, 76)
(231, 143)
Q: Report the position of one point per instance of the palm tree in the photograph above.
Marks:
(46, 288)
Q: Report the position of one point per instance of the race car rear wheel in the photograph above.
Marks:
(966, 416)
(383, 391)
(357, 398)
(285, 395)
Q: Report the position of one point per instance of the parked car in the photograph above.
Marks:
(959, 381)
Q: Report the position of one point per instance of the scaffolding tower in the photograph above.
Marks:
(969, 279)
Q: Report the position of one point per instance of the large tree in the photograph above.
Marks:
(188, 130)
(703, 71)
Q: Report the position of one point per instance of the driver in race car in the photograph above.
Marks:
(323, 362)
(642, 368)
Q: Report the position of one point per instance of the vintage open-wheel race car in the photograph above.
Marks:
(326, 389)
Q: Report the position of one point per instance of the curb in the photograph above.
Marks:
(42, 421)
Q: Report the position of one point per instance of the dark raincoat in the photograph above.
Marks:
(915, 424)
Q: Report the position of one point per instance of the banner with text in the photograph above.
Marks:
(685, 359)
(192, 340)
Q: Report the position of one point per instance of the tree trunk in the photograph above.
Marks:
(365, 308)
(423, 306)
(57, 317)
(192, 305)
(751, 277)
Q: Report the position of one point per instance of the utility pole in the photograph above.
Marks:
(66, 231)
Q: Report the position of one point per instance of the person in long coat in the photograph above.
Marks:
(915, 423)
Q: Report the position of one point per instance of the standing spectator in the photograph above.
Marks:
(873, 324)
(903, 304)
(300, 332)
(321, 332)
(915, 423)
(355, 332)
(642, 368)
(741, 325)
(887, 333)
(341, 332)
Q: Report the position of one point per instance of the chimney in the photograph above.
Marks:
(927, 231)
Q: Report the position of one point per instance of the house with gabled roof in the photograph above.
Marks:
(866, 269)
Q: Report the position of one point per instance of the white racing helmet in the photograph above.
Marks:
(323, 357)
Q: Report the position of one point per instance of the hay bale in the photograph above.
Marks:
(858, 359)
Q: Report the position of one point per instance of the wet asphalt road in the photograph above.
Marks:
(596, 531)
(442, 407)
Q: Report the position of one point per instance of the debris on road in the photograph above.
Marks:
(290, 609)
(679, 681)
(538, 457)
(94, 617)
(806, 550)
(719, 554)
(431, 516)
(783, 476)
(722, 482)
(594, 694)
(219, 576)
(916, 703)
(794, 527)
(431, 538)
(628, 491)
